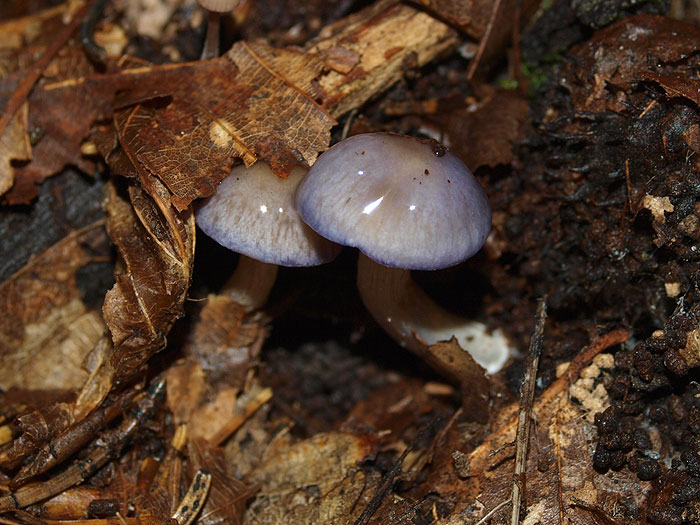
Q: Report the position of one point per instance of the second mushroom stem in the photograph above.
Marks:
(251, 283)
(405, 311)
(211, 43)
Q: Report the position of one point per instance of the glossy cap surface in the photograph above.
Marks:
(253, 213)
(404, 202)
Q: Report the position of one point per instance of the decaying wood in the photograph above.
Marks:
(370, 51)
(493, 457)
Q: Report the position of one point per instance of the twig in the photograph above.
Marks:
(474, 64)
(492, 512)
(193, 502)
(527, 395)
(251, 406)
(103, 450)
(384, 487)
(584, 357)
(348, 123)
(87, 31)
(35, 71)
(71, 440)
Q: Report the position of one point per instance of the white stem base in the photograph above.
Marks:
(403, 309)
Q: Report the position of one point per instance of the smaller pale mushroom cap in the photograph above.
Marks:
(218, 6)
(253, 213)
(404, 202)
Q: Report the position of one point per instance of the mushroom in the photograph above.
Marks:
(253, 213)
(407, 204)
(214, 8)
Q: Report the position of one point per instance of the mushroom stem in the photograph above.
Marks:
(404, 310)
(211, 43)
(251, 283)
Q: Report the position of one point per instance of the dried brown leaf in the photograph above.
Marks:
(225, 342)
(314, 481)
(228, 494)
(559, 474)
(186, 387)
(34, 429)
(58, 118)
(156, 245)
(14, 146)
(676, 84)
(391, 410)
(257, 102)
(222, 109)
(99, 365)
(485, 135)
(46, 331)
(612, 56)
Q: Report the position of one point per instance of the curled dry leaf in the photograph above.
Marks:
(34, 429)
(156, 245)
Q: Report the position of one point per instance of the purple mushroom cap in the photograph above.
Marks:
(404, 202)
(253, 213)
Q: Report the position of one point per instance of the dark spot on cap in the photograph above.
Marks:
(438, 149)
(427, 171)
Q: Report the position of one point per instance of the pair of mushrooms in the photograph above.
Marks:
(407, 204)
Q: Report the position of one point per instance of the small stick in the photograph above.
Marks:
(485, 40)
(71, 440)
(383, 488)
(251, 406)
(193, 502)
(35, 71)
(87, 31)
(104, 448)
(527, 395)
(492, 512)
